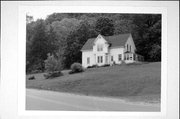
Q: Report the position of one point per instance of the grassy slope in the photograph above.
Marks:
(137, 82)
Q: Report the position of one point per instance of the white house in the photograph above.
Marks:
(109, 50)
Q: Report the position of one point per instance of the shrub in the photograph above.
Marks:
(75, 68)
(93, 66)
(32, 78)
(52, 64)
(89, 67)
(105, 65)
(53, 74)
(53, 67)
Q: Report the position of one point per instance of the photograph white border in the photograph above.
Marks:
(23, 10)
(13, 12)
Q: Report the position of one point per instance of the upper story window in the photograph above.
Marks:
(128, 47)
(100, 47)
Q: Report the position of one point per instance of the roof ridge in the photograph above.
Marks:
(115, 40)
(112, 35)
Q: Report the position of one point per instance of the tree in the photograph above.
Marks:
(55, 17)
(52, 40)
(39, 47)
(105, 26)
(63, 29)
(155, 53)
(123, 26)
(148, 35)
(29, 19)
(75, 41)
(52, 63)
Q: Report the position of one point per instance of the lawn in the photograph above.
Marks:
(137, 82)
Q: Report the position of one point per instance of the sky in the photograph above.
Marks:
(42, 12)
(40, 15)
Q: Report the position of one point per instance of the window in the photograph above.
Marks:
(106, 60)
(100, 59)
(88, 60)
(124, 57)
(130, 48)
(112, 58)
(127, 57)
(127, 47)
(100, 47)
(120, 57)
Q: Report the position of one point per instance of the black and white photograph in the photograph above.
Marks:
(93, 62)
(93, 59)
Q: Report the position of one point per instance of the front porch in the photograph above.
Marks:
(130, 57)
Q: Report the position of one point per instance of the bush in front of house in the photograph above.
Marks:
(51, 75)
(31, 78)
(76, 68)
(93, 66)
(53, 67)
(105, 65)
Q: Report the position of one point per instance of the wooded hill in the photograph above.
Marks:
(64, 34)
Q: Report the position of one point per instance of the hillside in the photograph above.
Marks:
(137, 82)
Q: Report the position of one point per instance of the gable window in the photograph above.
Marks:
(88, 60)
(100, 47)
(112, 58)
(120, 57)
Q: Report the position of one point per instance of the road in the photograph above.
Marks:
(49, 100)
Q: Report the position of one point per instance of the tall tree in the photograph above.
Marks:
(55, 17)
(75, 41)
(105, 26)
(148, 35)
(29, 19)
(40, 46)
(63, 29)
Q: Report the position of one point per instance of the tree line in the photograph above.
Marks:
(63, 35)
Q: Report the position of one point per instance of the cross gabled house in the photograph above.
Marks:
(109, 50)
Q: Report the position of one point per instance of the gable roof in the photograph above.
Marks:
(114, 41)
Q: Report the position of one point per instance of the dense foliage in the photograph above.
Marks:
(63, 35)
(52, 64)
(76, 68)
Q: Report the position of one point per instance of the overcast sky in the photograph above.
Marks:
(42, 12)
(39, 15)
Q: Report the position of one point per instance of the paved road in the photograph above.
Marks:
(48, 100)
